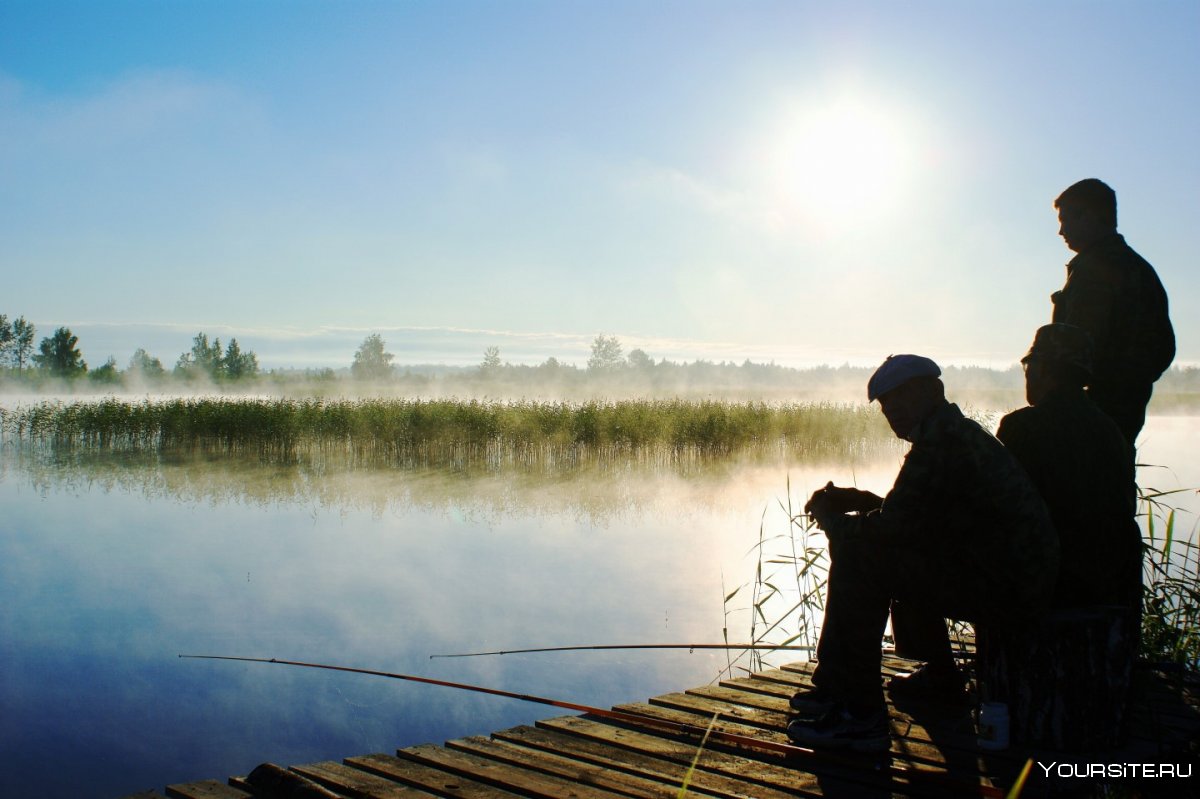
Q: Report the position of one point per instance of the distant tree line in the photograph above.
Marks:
(58, 356)
(608, 372)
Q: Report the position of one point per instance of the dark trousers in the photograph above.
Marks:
(920, 635)
(864, 578)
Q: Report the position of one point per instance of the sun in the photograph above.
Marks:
(841, 162)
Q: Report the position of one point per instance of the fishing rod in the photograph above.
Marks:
(689, 647)
(675, 727)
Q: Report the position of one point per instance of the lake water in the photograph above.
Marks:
(110, 570)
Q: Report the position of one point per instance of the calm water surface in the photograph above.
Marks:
(109, 571)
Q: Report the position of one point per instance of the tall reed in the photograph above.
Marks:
(448, 432)
(1170, 632)
(787, 593)
(1171, 588)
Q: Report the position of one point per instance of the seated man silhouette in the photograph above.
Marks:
(963, 533)
(1082, 466)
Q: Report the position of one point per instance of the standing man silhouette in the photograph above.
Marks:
(1115, 295)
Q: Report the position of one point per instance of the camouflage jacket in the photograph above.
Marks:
(1115, 295)
(1083, 468)
(962, 500)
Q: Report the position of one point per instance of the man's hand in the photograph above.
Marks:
(832, 501)
(821, 507)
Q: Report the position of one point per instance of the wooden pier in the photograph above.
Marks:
(934, 753)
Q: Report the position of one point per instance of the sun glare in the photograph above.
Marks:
(842, 163)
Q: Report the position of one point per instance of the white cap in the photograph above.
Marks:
(898, 370)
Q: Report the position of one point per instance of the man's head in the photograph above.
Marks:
(1087, 212)
(1061, 357)
(908, 389)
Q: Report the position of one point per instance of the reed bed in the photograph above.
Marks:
(1171, 594)
(418, 432)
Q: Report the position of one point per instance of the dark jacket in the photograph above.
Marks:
(961, 499)
(1115, 295)
(1083, 468)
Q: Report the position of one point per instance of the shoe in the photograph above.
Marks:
(841, 729)
(929, 683)
(812, 701)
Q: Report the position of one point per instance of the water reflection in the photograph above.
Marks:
(593, 492)
(109, 568)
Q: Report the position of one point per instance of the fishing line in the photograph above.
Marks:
(689, 647)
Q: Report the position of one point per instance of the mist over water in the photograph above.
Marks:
(111, 567)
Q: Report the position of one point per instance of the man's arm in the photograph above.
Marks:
(902, 517)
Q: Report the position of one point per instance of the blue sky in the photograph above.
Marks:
(790, 181)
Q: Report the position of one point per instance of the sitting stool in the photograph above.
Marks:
(1066, 679)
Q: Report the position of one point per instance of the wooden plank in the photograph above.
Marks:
(792, 679)
(933, 751)
(437, 782)
(271, 780)
(206, 789)
(697, 719)
(908, 750)
(799, 667)
(905, 754)
(703, 706)
(844, 774)
(947, 725)
(560, 764)
(490, 772)
(773, 714)
(355, 782)
(756, 685)
(777, 704)
(916, 749)
(934, 722)
(1153, 713)
(660, 760)
(918, 730)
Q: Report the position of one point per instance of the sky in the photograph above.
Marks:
(798, 182)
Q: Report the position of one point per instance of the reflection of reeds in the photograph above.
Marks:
(450, 432)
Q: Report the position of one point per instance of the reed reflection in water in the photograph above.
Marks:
(109, 568)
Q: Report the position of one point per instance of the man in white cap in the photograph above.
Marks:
(962, 534)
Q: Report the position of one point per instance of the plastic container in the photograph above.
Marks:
(993, 726)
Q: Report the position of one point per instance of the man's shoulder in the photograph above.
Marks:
(953, 431)
(1067, 419)
(1105, 262)
(1018, 421)
(1114, 255)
